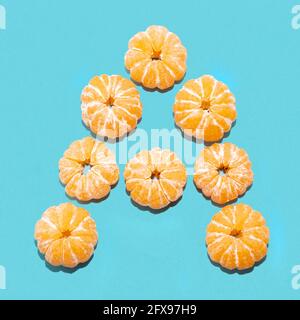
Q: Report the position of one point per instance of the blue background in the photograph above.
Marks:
(51, 49)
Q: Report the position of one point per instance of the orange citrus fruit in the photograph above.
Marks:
(237, 237)
(223, 172)
(205, 109)
(97, 181)
(155, 178)
(156, 58)
(66, 235)
(111, 106)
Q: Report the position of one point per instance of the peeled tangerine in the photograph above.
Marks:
(205, 109)
(97, 181)
(223, 172)
(155, 178)
(237, 237)
(66, 235)
(156, 58)
(111, 106)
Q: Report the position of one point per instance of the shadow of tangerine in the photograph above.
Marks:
(155, 211)
(92, 200)
(201, 141)
(139, 85)
(236, 271)
(61, 268)
(112, 140)
(225, 204)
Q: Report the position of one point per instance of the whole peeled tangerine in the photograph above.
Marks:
(205, 109)
(111, 106)
(223, 172)
(156, 58)
(237, 237)
(102, 173)
(66, 235)
(155, 178)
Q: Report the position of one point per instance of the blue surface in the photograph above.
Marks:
(51, 49)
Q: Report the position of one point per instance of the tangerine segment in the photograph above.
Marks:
(102, 174)
(205, 109)
(111, 106)
(66, 235)
(156, 58)
(237, 237)
(223, 172)
(155, 178)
